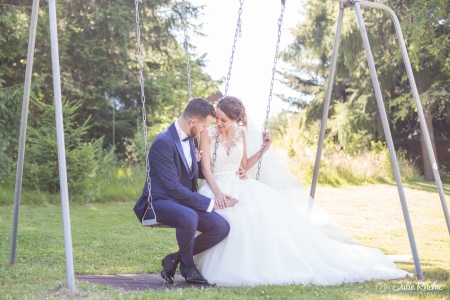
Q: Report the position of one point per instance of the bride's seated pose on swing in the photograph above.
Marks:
(273, 239)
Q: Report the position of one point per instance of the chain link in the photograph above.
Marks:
(144, 112)
(216, 144)
(280, 23)
(237, 33)
(186, 46)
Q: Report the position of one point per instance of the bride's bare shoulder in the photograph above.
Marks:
(242, 132)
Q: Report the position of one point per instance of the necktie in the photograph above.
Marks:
(186, 139)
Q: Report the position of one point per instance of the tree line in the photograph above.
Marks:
(100, 87)
(99, 67)
(354, 117)
(100, 83)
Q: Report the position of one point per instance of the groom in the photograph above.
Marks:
(174, 173)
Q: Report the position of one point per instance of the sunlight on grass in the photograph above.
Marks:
(360, 162)
(124, 172)
(341, 168)
(113, 183)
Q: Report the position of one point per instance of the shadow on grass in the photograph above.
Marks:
(436, 274)
(427, 186)
(429, 270)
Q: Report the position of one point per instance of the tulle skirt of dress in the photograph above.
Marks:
(271, 243)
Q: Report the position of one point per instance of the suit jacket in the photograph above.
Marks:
(171, 177)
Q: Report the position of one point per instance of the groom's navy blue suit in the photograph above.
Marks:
(175, 198)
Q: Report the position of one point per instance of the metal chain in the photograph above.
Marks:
(237, 33)
(216, 144)
(280, 23)
(144, 112)
(186, 46)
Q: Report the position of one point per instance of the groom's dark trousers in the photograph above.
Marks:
(175, 198)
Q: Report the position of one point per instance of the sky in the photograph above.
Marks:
(255, 50)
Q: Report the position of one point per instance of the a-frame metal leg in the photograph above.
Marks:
(60, 139)
(387, 132)
(423, 124)
(384, 119)
(326, 105)
(23, 130)
(70, 274)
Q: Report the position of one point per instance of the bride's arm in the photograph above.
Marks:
(205, 141)
(248, 162)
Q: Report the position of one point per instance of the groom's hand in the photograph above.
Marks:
(242, 173)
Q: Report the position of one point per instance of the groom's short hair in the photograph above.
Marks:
(198, 108)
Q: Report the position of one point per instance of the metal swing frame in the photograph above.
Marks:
(357, 5)
(70, 274)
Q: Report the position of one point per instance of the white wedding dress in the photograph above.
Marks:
(270, 242)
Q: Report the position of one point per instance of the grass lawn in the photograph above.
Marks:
(107, 239)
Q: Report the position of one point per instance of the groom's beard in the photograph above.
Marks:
(193, 132)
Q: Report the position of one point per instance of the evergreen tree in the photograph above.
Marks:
(98, 58)
(354, 112)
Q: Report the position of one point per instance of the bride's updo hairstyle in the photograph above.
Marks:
(233, 108)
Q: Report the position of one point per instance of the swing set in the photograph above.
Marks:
(151, 222)
(343, 4)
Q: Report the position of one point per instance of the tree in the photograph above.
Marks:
(83, 159)
(353, 95)
(98, 55)
(427, 26)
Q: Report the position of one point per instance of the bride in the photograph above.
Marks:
(272, 239)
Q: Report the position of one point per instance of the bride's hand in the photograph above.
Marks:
(267, 140)
(231, 201)
(242, 173)
(221, 200)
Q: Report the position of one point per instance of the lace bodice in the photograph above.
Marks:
(228, 154)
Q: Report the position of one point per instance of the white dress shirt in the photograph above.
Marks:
(187, 154)
(186, 146)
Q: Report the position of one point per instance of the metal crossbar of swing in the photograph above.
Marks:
(357, 5)
(151, 222)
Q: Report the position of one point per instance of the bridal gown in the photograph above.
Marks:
(271, 243)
